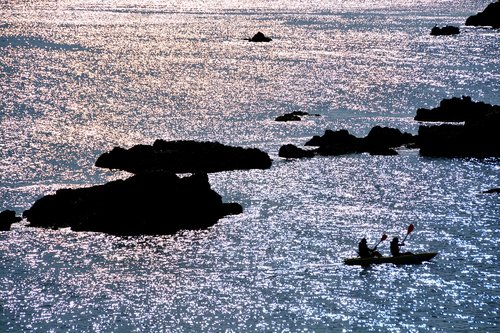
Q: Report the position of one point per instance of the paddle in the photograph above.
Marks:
(410, 229)
(384, 237)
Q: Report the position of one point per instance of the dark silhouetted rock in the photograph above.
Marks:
(492, 191)
(291, 151)
(445, 31)
(288, 117)
(377, 142)
(340, 137)
(299, 113)
(456, 110)
(294, 116)
(149, 203)
(384, 152)
(184, 157)
(259, 37)
(489, 17)
(7, 217)
(382, 138)
(479, 137)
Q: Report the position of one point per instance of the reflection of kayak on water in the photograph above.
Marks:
(405, 259)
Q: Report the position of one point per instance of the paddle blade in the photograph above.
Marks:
(384, 237)
(410, 228)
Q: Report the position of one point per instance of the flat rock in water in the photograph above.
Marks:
(147, 204)
(184, 157)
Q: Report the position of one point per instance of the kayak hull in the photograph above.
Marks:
(407, 259)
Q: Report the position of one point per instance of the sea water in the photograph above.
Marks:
(80, 77)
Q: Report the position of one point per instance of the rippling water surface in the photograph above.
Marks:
(79, 77)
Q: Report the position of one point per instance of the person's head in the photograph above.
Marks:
(395, 239)
(363, 240)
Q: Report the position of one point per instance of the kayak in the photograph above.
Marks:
(406, 259)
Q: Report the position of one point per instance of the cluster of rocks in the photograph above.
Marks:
(490, 16)
(294, 116)
(155, 200)
(479, 136)
(380, 141)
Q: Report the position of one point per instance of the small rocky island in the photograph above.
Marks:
(155, 201)
(184, 157)
(259, 37)
(294, 116)
(445, 31)
(147, 204)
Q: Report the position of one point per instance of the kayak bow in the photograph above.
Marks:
(405, 259)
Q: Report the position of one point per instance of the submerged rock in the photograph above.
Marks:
(184, 157)
(490, 16)
(259, 37)
(445, 31)
(8, 217)
(150, 203)
(456, 110)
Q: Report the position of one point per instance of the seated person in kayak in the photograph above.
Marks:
(365, 252)
(395, 251)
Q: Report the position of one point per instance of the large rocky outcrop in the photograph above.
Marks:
(490, 16)
(184, 157)
(456, 110)
(478, 137)
(149, 203)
